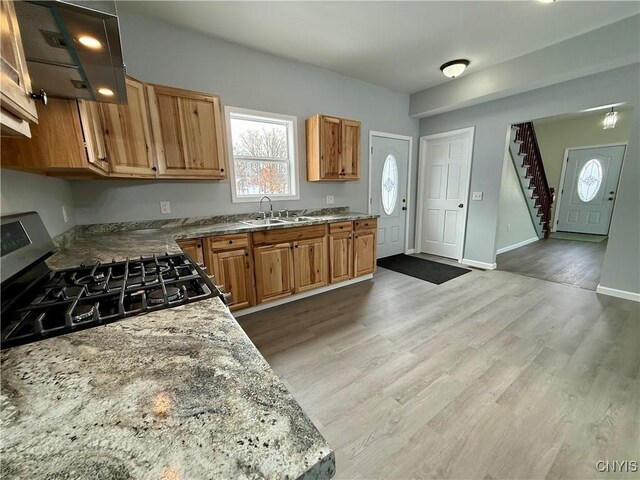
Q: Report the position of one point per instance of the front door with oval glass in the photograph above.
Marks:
(389, 167)
(589, 189)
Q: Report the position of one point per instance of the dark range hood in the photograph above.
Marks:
(73, 49)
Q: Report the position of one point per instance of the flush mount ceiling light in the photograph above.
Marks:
(610, 120)
(107, 92)
(454, 68)
(90, 42)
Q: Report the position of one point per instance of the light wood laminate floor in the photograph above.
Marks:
(490, 375)
(561, 261)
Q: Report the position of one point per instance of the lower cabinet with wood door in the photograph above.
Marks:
(268, 265)
(340, 251)
(274, 271)
(194, 249)
(364, 247)
(310, 264)
(230, 261)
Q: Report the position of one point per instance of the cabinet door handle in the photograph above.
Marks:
(230, 242)
(41, 95)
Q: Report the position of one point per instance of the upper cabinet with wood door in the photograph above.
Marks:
(333, 149)
(18, 108)
(67, 141)
(188, 133)
(127, 134)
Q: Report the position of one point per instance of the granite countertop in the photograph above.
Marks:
(108, 242)
(180, 393)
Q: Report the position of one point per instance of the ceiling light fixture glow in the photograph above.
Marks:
(90, 42)
(107, 92)
(610, 120)
(454, 68)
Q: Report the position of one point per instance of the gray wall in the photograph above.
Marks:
(622, 262)
(600, 50)
(162, 53)
(22, 192)
(514, 220)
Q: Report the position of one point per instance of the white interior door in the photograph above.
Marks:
(389, 170)
(589, 189)
(444, 172)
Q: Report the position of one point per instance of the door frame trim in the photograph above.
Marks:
(565, 156)
(421, 181)
(395, 136)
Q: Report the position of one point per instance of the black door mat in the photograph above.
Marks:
(426, 270)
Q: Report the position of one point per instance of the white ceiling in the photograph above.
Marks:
(398, 45)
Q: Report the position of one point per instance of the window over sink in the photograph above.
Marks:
(263, 155)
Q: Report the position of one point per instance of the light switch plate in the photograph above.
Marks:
(477, 196)
(330, 199)
(165, 207)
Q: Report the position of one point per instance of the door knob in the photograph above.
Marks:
(404, 208)
(461, 205)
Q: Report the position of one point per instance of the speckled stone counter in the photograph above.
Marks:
(180, 393)
(107, 242)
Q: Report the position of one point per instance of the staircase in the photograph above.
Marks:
(526, 157)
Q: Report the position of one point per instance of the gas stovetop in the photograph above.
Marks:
(42, 303)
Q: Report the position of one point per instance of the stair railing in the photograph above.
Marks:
(532, 160)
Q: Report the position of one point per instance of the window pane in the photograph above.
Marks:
(261, 177)
(589, 180)
(389, 184)
(252, 138)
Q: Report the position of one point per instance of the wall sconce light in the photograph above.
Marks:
(610, 120)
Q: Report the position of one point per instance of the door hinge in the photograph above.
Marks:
(370, 201)
(562, 191)
(557, 222)
(372, 150)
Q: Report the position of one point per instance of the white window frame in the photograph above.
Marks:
(292, 130)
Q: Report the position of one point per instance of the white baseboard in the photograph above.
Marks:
(410, 251)
(298, 296)
(516, 245)
(476, 264)
(612, 292)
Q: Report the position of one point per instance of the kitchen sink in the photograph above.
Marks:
(144, 231)
(301, 219)
(263, 221)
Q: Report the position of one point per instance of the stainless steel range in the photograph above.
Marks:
(38, 303)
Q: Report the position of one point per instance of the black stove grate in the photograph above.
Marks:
(68, 300)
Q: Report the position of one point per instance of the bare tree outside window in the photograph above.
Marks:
(261, 157)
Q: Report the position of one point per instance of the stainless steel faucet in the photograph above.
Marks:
(270, 206)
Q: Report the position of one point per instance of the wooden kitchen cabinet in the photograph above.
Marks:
(340, 257)
(64, 142)
(310, 264)
(274, 271)
(18, 108)
(232, 268)
(364, 247)
(333, 149)
(193, 248)
(188, 133)
(127, 134)
(231, 262)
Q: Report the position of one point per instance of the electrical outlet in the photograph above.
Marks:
(330, 199)
(477, 196)
(65, 216)
(165, 207)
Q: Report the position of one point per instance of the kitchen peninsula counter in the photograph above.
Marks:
(179, 393)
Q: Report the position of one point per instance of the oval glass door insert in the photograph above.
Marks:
(589, 180)
(389, 184)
